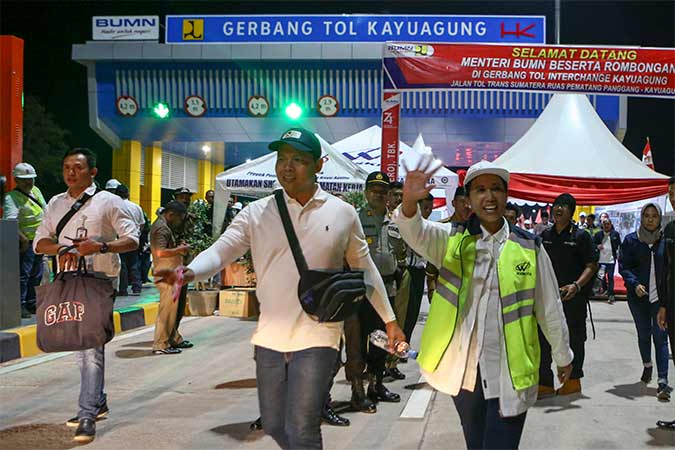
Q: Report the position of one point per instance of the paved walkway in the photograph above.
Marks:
(205, 398)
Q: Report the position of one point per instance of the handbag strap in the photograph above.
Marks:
(71, 212)
(300, 261)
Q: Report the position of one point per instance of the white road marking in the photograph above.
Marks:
(418, 402)
(34, 361)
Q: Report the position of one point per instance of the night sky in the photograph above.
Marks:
(50, 28)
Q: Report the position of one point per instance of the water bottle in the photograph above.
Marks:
(402, 349)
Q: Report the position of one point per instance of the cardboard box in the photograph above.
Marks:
(238, 302)
(202, 303)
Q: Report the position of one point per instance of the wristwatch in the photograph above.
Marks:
(104, 248)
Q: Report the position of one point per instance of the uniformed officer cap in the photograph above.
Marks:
(182, 190)
(377, 178)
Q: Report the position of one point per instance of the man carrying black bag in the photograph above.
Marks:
(94, 223)
(295, 351)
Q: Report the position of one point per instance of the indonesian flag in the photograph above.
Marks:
(647, 156)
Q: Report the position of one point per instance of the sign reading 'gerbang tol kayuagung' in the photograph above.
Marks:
(353, 28)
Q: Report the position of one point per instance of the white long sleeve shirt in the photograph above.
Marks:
(329, 233)
(480, 339)
(103, 216)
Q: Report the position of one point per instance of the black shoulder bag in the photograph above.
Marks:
(326, 296)
(69, 215)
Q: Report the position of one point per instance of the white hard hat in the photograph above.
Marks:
(112, 184)
(582, 214)
(484, 168)
(24, 170)
(238, 206)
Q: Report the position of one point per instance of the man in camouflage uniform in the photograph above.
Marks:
(374, 220)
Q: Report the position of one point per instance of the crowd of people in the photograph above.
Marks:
(506, 302)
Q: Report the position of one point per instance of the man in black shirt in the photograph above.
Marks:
(575, 261)
(666, 315)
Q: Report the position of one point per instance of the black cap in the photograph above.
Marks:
(566, 199)
(176, 207)
(182, 190)
(377, 178)
(300, 139)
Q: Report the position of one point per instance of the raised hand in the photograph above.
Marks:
(416, 186)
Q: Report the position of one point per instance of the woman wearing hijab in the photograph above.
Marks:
(642, 266)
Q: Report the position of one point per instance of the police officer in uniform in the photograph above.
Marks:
(375, 221)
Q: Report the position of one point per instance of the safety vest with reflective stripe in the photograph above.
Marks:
(30, 214)
(517, 275)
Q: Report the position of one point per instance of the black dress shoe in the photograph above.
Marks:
(256, 425)
(395, 373)
(379, 393)
(166, 351)
(330, 417)
(184, 344)
(666, 424)
(359, 401)
(101, 414)
(25, 314)
(86, 431)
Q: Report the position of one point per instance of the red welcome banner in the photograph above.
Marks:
(391, 111)
(648, 72)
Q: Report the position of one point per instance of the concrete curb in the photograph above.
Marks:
(21, 342)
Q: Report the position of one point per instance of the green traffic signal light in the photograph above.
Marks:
(161, 110)
(293, 111)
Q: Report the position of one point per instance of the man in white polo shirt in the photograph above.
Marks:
(99, 230)
(295, 355)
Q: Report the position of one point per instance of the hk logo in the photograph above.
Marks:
(523, 268)
(64, 312)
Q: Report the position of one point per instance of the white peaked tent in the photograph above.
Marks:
(569, 149)
(365, 150)
(257, 178)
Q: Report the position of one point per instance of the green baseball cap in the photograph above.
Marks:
(300, 139)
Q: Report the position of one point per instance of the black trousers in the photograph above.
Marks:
(575, 316)
(482, 424)
(360, 354)
(417, 277)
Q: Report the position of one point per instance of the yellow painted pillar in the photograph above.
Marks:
(151, 191)
(205, 178)
(127, 167)
(217, 168)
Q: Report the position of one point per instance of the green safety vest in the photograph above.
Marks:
(517, 274)
(30, 214)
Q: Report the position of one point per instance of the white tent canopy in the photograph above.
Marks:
(569, 149)
(365, 150)
(257, 178)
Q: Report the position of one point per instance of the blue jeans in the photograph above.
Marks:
(292, 389)
(482, 424)
(130, 272)
(608, 279)
(31, 274)
(92, 368)
(644, 316)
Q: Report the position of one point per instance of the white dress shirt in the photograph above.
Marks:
(103, 216)
(480, 338)
(135, 212)
(329, 233)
